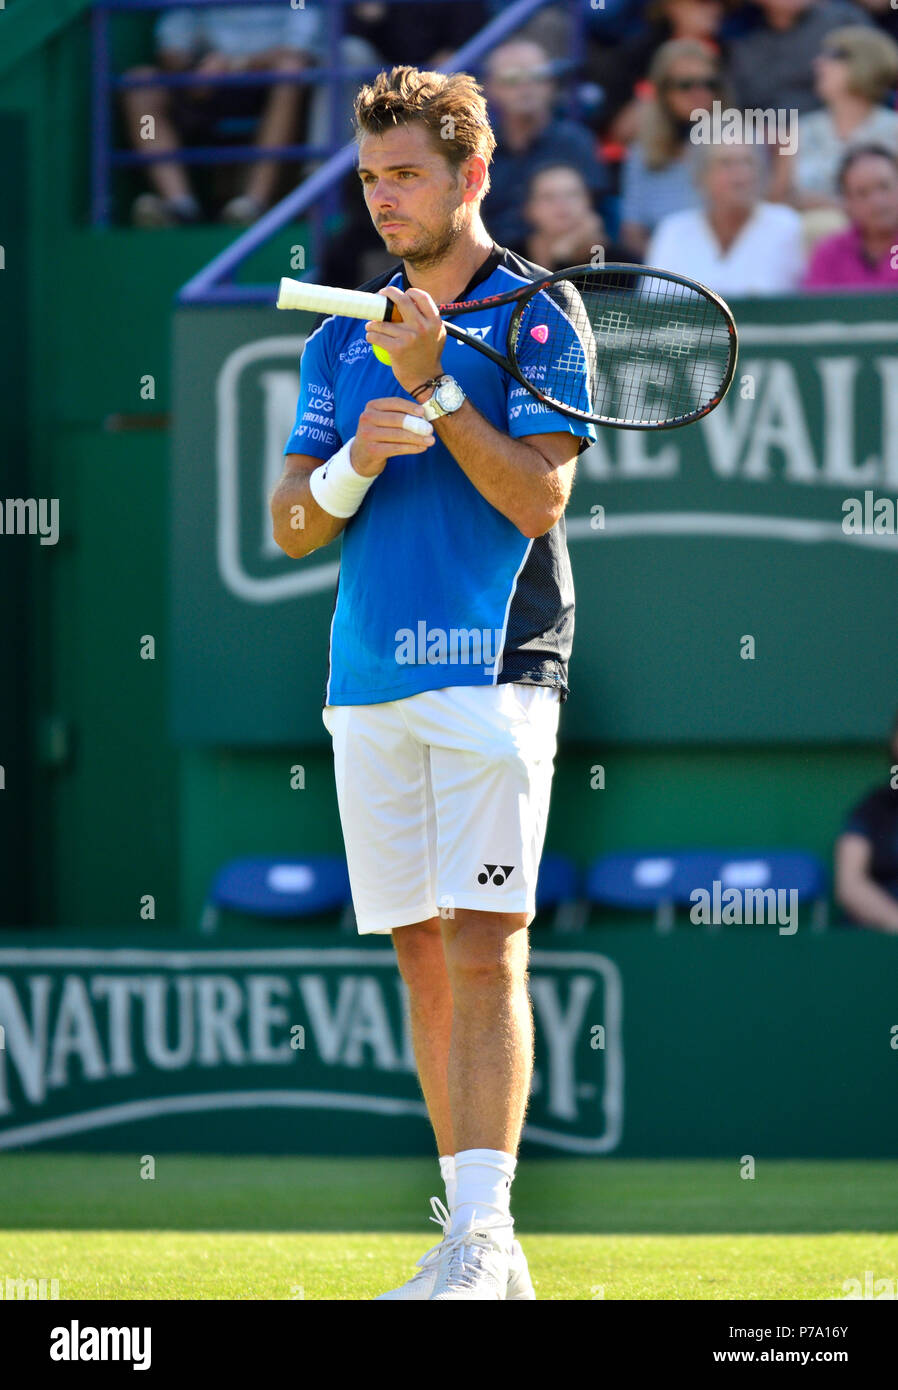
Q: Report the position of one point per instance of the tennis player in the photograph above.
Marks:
(449, 643)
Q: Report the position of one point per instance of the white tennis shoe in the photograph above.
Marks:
(474, 1265)
(421, 1285)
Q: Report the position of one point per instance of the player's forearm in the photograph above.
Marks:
(513, 476)
(299, 525)
(868, 903)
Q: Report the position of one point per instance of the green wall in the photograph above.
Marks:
(16, 552)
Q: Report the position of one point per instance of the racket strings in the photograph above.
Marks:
(624, 345)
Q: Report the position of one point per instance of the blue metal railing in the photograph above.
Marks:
(214, 283)
(317, 198)
(105, 159)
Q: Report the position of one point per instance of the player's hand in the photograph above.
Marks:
(416, 344)
(380, 434)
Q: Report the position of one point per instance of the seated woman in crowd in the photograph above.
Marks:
(855, 71)
(619, 67)
(735, 243)
(657, 176)
(866, 869)
(565, 229)
(865, 256)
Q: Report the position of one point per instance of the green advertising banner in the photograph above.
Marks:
(735, 579)
(692, 1044)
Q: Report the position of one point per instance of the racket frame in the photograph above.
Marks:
(521, 298)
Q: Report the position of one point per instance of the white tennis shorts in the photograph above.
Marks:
(443, 799)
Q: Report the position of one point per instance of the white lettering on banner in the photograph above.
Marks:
(803, 430)
(561, 1029)
(188, 1014)
(279, 392)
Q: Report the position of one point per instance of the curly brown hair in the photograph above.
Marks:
(451, 106)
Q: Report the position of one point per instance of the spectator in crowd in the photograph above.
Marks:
(521, 96)
(736, 243)
(227, 39)
(564, 227)
(658, 172)
(866, 857)
(772, 66)
(620, 68)
(855, 71)
(865, 256)
(883, 13)
(423, 35)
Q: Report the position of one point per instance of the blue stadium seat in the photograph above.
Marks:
(557, 881)
(636, 881)
(659, 881)
(280, 887)
(558, 887)
(756, 868)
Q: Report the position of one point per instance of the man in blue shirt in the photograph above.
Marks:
(521, 96)
(449, 643)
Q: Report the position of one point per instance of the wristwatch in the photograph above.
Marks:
(447, 397)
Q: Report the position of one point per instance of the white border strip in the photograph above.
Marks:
(301, 579)
(823, 332)
(130, 1111)
(778, 528)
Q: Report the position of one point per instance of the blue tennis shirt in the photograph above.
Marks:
(437, 588)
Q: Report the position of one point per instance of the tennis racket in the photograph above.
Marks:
(623, 345)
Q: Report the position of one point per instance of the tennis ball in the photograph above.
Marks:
(381, 354)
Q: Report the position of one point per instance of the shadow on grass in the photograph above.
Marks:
(572, 1196)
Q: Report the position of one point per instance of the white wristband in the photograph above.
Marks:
(337, 487)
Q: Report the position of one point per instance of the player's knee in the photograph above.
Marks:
(488, 958)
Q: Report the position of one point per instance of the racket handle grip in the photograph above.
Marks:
(327, 299)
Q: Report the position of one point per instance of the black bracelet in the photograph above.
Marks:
(434, 381)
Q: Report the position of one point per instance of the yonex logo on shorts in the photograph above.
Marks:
(496, 873)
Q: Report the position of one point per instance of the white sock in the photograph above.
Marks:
(447, 1173)
(483, 1191)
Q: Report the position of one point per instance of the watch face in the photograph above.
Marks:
(449, 395)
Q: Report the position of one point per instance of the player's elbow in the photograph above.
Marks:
(290, 546)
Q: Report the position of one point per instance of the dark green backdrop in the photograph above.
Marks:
(725, 531)
(715, 1044)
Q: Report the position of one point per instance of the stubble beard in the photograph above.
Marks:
(430, 248)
